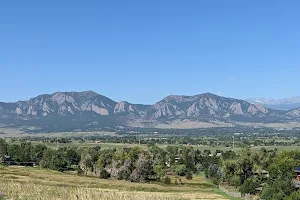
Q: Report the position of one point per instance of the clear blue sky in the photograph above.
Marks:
(142, 50)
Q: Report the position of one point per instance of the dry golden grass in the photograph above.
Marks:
(32, 183)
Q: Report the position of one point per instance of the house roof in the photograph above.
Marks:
(261, 171)
(297, 169)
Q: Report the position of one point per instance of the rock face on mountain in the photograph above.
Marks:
(125, 108)
(206, 107)
(60, 103)
(89, 108)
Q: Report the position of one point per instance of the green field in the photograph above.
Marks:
(144, 146)
(34, 183)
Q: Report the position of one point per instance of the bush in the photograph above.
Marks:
(215, 181)
(294, 196)
(176, 182)
(189, 177)
(181, 170)
(124, 174)
(235, 181)
(249, 187)
(167, 180)
(206, 173)
(104, 174)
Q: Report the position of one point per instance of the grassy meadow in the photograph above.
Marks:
(163, 146)
(33, 183)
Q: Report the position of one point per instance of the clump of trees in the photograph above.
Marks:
(245, 170)
(270, 170)
(138, 165)
(132, 164)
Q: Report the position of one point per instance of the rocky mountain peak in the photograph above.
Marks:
(74, 105)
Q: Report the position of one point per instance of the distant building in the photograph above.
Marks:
(8, 160)
(264, 174)
(219, 154)
(297, 170)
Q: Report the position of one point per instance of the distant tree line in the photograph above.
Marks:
(226, 140)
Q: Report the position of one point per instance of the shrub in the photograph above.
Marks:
(181, 170)
(215, 181)
(176, 182)
(249, 187)
(235, 181)
(189, 177)
(124, 174)
(206, 173)
(167, 180)
(104, 174)
(294, 196)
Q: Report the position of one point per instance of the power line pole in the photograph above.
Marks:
(233, 143)
(56, 143)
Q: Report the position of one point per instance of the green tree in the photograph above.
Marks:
(22, 153)
(235, 181)
(54, 159)
(73, 155)
(104, 174)
(3, 149)
(245, 165)
(158, 154)
(294, 196)
(281, 170)
(39, 151)
(105, 158)
(172, 152)
(283, 165)
(27, 154)
(206, 152)
(249, 186)
(187, 157)
(15, 151)
(278, 189)
(181, 170)
(159, 170)
(120, 156)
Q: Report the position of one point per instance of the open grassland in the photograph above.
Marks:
(34, 183)
(163, 146)
(14, 132)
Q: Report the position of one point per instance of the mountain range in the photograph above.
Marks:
(280, 104)
(88, 110)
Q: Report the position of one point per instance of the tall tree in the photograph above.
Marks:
(3, 149)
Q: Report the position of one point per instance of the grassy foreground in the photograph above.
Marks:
(33, 183)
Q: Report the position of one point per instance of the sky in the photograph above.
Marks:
(142, 51)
